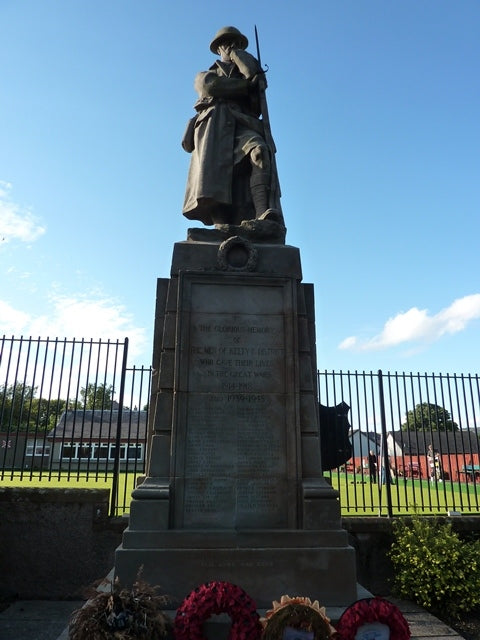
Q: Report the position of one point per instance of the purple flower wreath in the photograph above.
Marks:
(213, 598)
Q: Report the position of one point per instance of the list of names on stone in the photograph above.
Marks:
(235, 444)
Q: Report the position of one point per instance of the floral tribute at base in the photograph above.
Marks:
(296, 619)
(123, 614)
(364, 613)
(214, 598)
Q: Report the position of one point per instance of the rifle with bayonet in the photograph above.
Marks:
(262, 85)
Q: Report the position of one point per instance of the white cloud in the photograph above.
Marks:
(16, 222)
(417, 325)
(348, 343)
(75, 317)
(12, 321)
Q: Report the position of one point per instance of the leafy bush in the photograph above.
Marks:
(434, 568)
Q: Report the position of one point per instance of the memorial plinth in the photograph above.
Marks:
(234, 488)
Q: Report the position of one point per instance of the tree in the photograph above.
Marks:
(20, 410)
(16, 406)
(429, 417)
(97, 396)
(47, 412)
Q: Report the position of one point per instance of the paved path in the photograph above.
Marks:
(48, 620)
(422, 624)
(36, 619)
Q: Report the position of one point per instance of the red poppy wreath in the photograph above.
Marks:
(370, 610)
(213, 598)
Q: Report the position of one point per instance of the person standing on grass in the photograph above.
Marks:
(372, 466)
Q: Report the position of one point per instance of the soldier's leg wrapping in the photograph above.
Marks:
(260, 178)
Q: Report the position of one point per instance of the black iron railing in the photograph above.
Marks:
(415, 442)
(72, 411)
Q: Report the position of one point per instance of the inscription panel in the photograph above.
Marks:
(227, 438)
(234, 456)
(209, 502)
(232, 353)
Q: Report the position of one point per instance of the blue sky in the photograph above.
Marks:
(374, 109)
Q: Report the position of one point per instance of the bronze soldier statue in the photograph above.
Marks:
(232, 175)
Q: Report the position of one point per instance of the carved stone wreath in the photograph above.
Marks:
(237, 254)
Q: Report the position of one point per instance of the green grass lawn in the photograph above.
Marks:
(359, 497)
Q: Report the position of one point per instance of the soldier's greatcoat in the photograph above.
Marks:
(227, 127)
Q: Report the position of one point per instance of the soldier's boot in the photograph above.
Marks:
(260, 185)
(261, 199)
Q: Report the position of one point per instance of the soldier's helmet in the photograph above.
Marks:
(228, 33)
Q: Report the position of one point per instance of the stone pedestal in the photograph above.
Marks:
(234, 489)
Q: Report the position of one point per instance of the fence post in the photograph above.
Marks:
(386, 461)
(116, 463)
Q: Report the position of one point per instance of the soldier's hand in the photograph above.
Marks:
(259, 80)
(233, 55)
